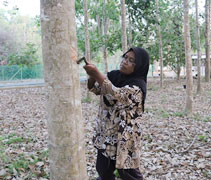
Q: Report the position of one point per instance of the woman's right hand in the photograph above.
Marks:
(93, 72)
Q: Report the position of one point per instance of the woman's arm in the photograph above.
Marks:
(94, 76)
(127, 96)
(91, 82)
(93, 86)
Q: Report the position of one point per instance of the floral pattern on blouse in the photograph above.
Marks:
(118, 131)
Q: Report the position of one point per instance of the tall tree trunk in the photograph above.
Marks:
(105, 26)
(86, 23)
(130, 38)
(198, 50)
(98, 19)
(105, 59)
(65, 126)
(178, 70)
(124, 32)
(87, 44)
(207, 40)
(160, 46)
(189, 77)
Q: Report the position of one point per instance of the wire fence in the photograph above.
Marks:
(14, 72)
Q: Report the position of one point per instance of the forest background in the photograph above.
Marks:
(20, 35)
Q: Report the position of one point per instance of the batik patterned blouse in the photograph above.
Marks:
(118, 130)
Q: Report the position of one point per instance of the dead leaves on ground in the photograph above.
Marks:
(175, 146)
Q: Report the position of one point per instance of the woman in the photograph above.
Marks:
(117, 134)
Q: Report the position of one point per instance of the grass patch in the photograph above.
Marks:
(16, 164)
(178, 114)
(3, 157)
(197, 117)
(166, 114)
(86, 100)
(204, 138)
(207, 119)
(163, 113)
(14, 140)
(20, 164)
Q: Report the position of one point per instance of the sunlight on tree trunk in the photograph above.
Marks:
(65, 126)
(124, 29)
(130, 36)
(198, 50)
(105, 27)
(189, 77)
(87, 44)
(207, 40)
(160, 45)
(178, 70)
(86, 23)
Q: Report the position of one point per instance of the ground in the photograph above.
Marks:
(174, 146)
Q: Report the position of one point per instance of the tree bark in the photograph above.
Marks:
(130, 38)
(178, 71)
(189, 77)
(65, 126)
(98, 19)
(198, 50)
(86, 23)
(105, 26)
(160, 45)
(207, 40)
(124, 32)
(87, 44)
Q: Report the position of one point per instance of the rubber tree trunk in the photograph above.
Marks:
(160, 45)
(207, 40)
(124, 29)
(87, 43)
(105, 28)
(198, 50)
(65, 126)
(189, 77)
(178, 71)
(130, 36)
(86, 23)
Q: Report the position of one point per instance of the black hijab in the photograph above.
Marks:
(138, 77)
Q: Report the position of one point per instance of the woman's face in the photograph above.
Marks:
(128, 63)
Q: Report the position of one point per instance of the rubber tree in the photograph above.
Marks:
(207, 40)
(105, 31)
(86, 23)
(61, 72)
(189, 77)
(124, 29)
(87, 43)
(198, 50)
(160, 44)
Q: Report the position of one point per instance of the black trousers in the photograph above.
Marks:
(105, 168)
